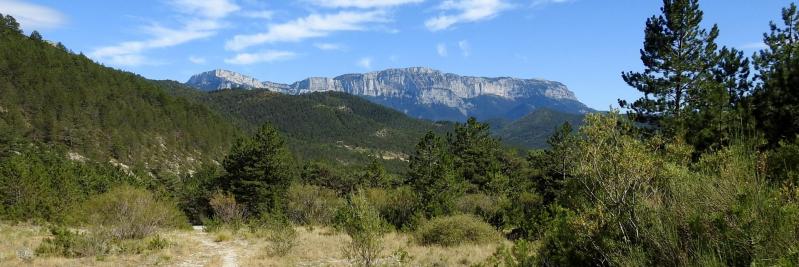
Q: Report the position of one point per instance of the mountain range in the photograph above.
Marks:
(422, 92)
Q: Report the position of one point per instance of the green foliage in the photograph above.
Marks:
(481, 205)
(38, 182)
(312, 205)
(476, 156)
(455, 230)
(534, 129)
(259, 171)
(640, 207)
(432, 176)
(126, 212)
(52, 96)
(362, 222)
(521, 254)
(398, 206)
(775, 99)
(71, 244)
(331, 127)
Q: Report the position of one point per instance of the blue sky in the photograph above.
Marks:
(585, 44)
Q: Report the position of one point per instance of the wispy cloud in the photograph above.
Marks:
(466, 49)
(212, 9)
(539, 3)
(441, 49)
(754, 46)
(32, 16)
(266, 56)
(314, 25)
(365, 63)
(197, 60)
(329, 46)
(363, 3)
(262, 14)
(204, 20)
(462, 11)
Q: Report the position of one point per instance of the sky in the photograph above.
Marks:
(585, 44)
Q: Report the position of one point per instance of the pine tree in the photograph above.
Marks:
(431, 175)
(678, 56)
(259, 171)
(776, 99)
(476, 153)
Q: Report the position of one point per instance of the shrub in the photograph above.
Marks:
(226, 209)
(521, 254)
(482, 205)
(362, 222)
(455, 230)
(312, 205)
(67, 243)
(126, 212)
(158, 243)
(282, 238)
(223, 236)
(397, 206)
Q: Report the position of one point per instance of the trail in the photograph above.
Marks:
(210, 250)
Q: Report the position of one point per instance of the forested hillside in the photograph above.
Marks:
(331, 127)
(53, 96)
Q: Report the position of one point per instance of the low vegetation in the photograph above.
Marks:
(456, 230)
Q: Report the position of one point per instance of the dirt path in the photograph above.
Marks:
(210, 250)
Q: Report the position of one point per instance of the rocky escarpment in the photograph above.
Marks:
(423, 92)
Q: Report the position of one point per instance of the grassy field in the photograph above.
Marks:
(314, 247)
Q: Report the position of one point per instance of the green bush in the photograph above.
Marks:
(456, 230)
(397, 206)
(126, 212)
(482, 205)
(312, 205)
(71, 244)
(362, 222)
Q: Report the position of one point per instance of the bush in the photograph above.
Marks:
(482, 205)
(521, 254)
(66, 243)
(312, 205)
(362, 222)
(397, 206)
(282, 238)
(226, 209)
(129, 213)
(456, 230)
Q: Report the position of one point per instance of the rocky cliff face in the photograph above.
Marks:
(423, 92)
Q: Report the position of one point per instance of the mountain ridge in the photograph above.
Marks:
(421, 92)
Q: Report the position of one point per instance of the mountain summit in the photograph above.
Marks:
(422, 92)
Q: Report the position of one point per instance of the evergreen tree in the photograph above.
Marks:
(431, 175)
(375, 175)
(259, 171)
(776, 98)
(36, 36)
(476, 154)
(678, 56)
(9, 24)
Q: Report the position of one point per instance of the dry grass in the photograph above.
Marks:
(322, 247)
(315, 247)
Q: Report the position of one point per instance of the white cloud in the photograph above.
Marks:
(212, 9)
(263, 14)
(461, 11)
(314, 25)
(466, 49)
(197, 60)
(441, 49)
(365, 63)
(329, 46)
(266, 56)
(538, 3)
(363, 3)
(754, 46)
(205, 19)
(31, 16)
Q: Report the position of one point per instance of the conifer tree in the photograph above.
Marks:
(259, 171)
(431, 175)
(476, 153)
(776, 98)
(678, 55)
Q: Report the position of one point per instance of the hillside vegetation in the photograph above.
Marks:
(702, 171)
(53, 96)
